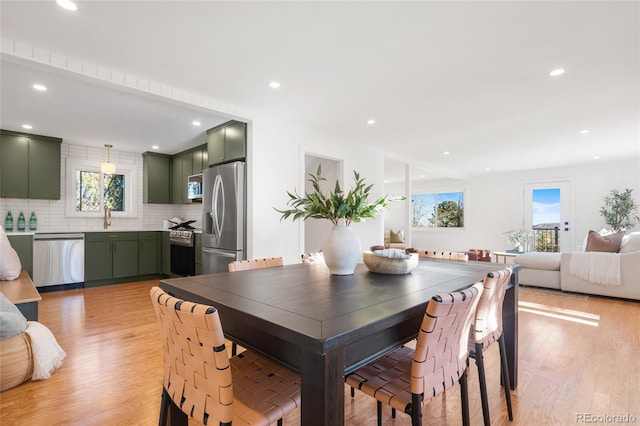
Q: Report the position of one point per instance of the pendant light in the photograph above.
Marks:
(108, 167)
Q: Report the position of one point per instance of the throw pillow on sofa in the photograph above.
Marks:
(606, 243)
(10, 265)
(396, 237)
(631, 242)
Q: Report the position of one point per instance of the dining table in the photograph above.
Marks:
(325, 326)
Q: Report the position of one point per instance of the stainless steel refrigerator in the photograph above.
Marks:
(223, 216)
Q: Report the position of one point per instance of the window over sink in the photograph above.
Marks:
(91, 191)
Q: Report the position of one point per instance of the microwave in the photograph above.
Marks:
(194, 187)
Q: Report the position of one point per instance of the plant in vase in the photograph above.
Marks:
(619, 210)
(341, 249)
(520, 238)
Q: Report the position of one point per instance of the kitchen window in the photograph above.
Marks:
(91, 191)
(437, 210)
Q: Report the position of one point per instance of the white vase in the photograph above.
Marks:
(341, 250)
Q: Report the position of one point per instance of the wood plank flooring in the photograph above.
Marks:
(578, 356)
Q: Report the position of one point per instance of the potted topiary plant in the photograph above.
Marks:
(341, 249)
(618, 210)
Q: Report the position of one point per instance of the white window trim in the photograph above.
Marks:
(444, 190)
(128, 170)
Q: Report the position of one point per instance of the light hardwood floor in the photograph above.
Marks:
(579, 355)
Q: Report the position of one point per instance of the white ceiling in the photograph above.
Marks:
(470, 78)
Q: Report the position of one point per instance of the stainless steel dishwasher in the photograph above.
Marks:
(58, 258)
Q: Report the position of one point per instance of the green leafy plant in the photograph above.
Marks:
(335, 205)
(618, 210)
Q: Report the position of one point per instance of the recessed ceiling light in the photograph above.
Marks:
(274, 84)
(584, 132)
(488, 169)
(27, 126)
(371, 121)
(195, 123)
(40, 87)
(67, 4)
(155, 147)
(596, 157)
(446, 153)
(556, 72)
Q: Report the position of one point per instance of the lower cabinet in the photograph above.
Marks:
(149, 253)
(110, 255)
(23, 245)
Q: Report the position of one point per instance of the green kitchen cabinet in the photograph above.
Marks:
(166, 253)
(110, 255)
(149, 252)
(23, 245)
(156, 178)
(200, 159)
(29, 166)
(187, 170)
(227, 142)
(176, 179)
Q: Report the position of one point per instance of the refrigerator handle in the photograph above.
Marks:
(218, 197)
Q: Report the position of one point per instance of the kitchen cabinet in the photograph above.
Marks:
(227, 142)
(183, 165)
(23, 245)
(30, 166)
(166, 253)
(149, 253)
(156, 178)
(110, 255)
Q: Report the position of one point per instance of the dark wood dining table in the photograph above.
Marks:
(324, 326)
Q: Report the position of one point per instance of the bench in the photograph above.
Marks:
(22, 293)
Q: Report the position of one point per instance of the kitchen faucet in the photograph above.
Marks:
(107, 215)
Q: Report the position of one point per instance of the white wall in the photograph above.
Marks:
(494, 203)
(276, 154)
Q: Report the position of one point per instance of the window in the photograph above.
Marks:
(94, 191)
(437, 210)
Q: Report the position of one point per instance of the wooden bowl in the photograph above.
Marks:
(385, 265)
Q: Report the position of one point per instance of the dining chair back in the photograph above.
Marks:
(487, 329)
(245, 265)
(204, 382)
(407, 378)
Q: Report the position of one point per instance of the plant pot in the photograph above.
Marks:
(341, 250)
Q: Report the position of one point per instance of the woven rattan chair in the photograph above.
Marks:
(247, 265)
(405, 378)
(487, 330)
(204, 382)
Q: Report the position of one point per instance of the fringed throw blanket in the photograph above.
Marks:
(596, 267)
(47, 354)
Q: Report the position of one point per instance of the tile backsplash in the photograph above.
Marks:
(51, 213)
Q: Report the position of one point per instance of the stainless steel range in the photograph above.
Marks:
(183, 252)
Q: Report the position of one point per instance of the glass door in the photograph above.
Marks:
(547, 211)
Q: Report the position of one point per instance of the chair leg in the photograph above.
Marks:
(353, 392)
(234, 349)
(483, 384)
(464, 398)
(379, 411)
(393, 413)
(504, 367)
(164, 407)
(279, 422)
(416, 409)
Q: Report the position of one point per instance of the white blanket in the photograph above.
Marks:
(392, 254)
(47, 354)
(596, 267)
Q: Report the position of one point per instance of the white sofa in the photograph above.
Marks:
(553, 270)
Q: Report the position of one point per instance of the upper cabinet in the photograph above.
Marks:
(227, 142)
(183, 165)
(30, 166)
(156, 178)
